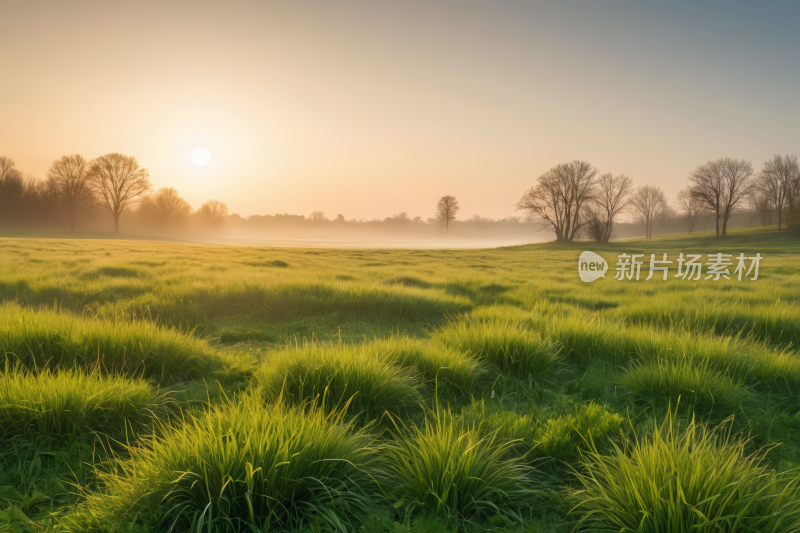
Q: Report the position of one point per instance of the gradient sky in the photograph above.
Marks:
(370, 108)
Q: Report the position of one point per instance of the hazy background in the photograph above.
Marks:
(371, 108)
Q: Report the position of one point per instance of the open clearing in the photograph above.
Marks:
(156, 386)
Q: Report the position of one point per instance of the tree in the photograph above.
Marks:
(400, 218)
(650, 205)
(478, 220)
(793, 190)
(559, 199)
(213, 211)
(692, 207)
(120, 181)
(763, 206)
(612, 198)
(446, 209)
(171, 203)
(776, 182)
(70, 176)
(317, 216)
(164, 207)
(721, 185)
(7, 168)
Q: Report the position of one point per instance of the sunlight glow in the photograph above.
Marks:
(201, 157)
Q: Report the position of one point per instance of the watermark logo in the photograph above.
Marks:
(688, 267)
(591, 266)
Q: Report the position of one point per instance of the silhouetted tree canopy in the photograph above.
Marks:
(611, 198)
(120, 181)
(693, 208)
(559, 198)
(778, 182)
(213, 211)
(721, 185)
(69, 174)
(650, 204)
(446, 210)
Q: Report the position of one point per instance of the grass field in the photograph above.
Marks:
(156, 386)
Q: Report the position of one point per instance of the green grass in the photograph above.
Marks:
(341, 377)
(696, 385)
(695, 479)
(438, 366)
(60, 340)
(566, 436)
(539, 435)
(243, 467)
(66, 405)
(775, 324)
(535, 370)
(505, 345)
(449, 469)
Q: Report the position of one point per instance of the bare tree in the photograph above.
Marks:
(164, 207)
(399, 218)
(7, 167)
(213, 211)
(559, 199)
(693, 208)
(317, 216)
(722, 185)
(762, 206)
(171, 203)
(793, 190)
(70, 175)
(612, 198)
(776, 182)
(650, 205)
(446, 209)
(120, 181)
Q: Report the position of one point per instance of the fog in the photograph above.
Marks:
(33, 206)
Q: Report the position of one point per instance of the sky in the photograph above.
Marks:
(372, 108)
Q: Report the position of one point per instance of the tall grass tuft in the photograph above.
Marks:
(566, 436)
(696, 479)
(244, 467)
(337, 377)
(586, 340)
(194, 303)
(775, 323)
(64, 405)
(698, 385)
(57, 340)
(449, 469)
(509, 346)
(436, 364)
(537, 436)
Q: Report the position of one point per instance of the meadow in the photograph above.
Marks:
(162, 386)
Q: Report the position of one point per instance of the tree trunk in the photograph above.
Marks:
(116, 223)
(72, 218)
(717, 224)
(779, 218)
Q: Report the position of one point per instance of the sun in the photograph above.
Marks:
(201, 157)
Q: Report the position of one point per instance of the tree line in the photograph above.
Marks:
(574, 200)
(113, 182)
(116, 183)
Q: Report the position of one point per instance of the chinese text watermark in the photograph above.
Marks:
(690, 267)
